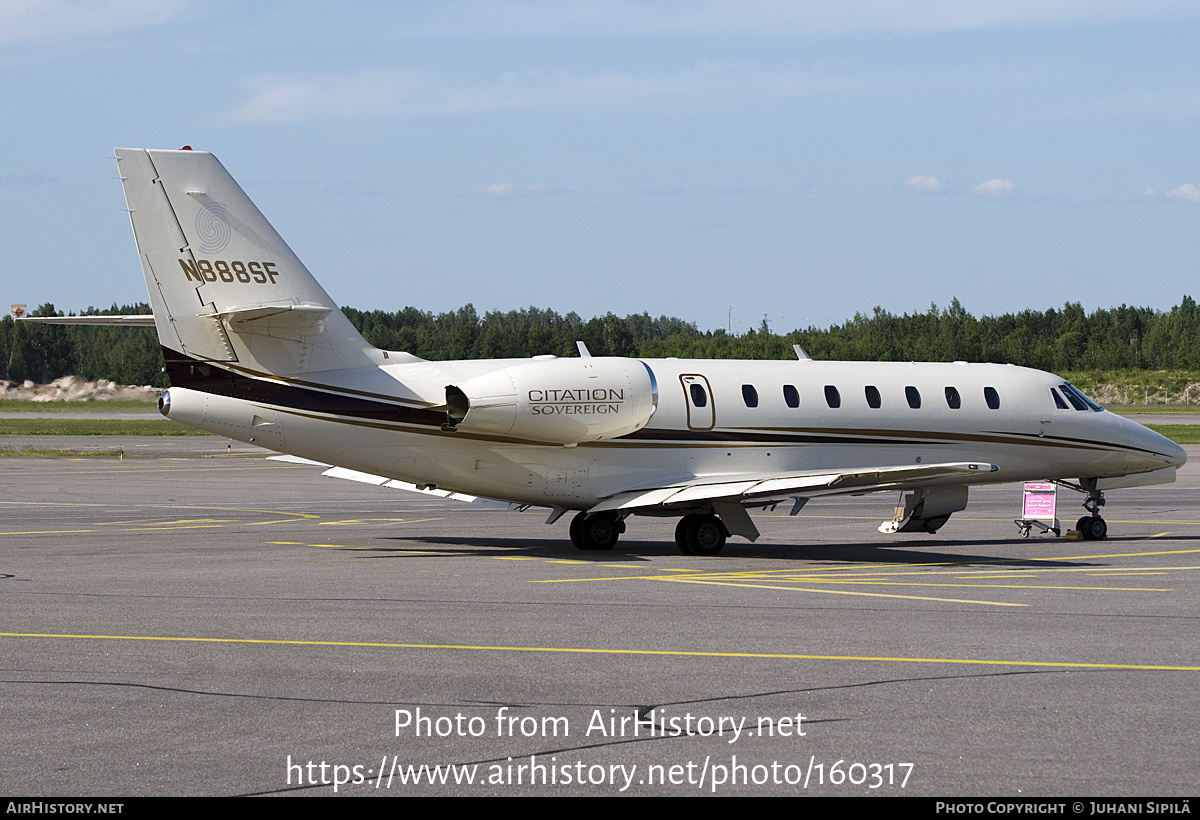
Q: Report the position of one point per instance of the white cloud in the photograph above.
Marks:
(398, 92)
(924, 184)
(779, 17)
(34, 20)
(509, 190)
(27, 178)
(995, 189)
(1188, 192)
(667, 193)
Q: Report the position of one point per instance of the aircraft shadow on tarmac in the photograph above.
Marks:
(915, 552)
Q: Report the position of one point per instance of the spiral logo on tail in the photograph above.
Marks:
(212, 226)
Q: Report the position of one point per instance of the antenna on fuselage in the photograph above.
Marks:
(800, 354)
(584, 353)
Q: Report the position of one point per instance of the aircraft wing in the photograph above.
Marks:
(730, 496)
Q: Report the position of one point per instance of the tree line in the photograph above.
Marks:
(1123, 338)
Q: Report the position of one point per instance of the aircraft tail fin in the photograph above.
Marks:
(224, 285)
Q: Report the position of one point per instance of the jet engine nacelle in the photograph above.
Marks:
(558, 401)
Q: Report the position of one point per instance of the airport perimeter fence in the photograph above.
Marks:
(1136, 396)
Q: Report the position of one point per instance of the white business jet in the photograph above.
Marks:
(257, 351)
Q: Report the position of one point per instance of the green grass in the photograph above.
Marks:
(95, 427)
(27, 406)
(1156, 409)
(1176, 380)
(46, 452)
(1178, 433)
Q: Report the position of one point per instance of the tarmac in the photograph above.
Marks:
(195, 619)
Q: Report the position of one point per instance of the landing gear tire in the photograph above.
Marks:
(1092, 528)
(596, 532)
(681, 535)
(577, 531)
(707, 535)
(700, 534)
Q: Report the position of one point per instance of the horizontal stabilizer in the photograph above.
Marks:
(142, 320)
(383, 481)
(765, 488)
(262, 318)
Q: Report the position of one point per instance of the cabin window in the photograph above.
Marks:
(749, 395)
(791, 395)
(873, 399)
(832, 397)
(953, 400)
(1058, 402)
(992, 398)
(913, 396)
(699, 397)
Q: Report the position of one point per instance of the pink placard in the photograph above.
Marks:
(1040, 498)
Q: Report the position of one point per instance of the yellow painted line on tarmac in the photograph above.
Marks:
(878, 582)
(1003, 586)
(356, 549)
(51, 504)
(234, 509)
(1155, 521)
(1129, 569)
(1133, 574)
(582, 650)
(152, 523)
(1027, 574)
(971, 518)
(45, 532)
(1112, 555)
(808, 574)
(843, 592)
(373, 522)
(513, 558)
(186, 527)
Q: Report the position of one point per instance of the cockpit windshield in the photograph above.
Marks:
(1077, 399)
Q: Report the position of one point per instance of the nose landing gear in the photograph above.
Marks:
(1092, 527)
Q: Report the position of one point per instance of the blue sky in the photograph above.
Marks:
(806, 161)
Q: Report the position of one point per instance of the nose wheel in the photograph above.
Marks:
(1092, 527)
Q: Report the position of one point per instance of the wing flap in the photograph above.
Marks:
(745, 490)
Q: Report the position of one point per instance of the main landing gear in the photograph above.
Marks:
(696, 534)
(596, 532)
(699, 534)
(1092, 527)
